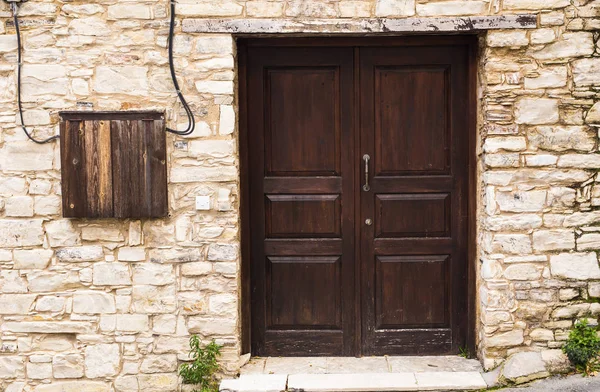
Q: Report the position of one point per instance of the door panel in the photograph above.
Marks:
(300, 107)
(337, 270)
(413, 125)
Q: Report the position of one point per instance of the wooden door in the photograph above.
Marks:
(337, 268)
(300, 107)
(414, 122)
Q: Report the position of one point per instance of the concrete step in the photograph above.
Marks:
(357, 382)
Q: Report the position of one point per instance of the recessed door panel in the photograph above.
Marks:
(311, 216)
(411, 291)
(412, 215)
(293, 304)
(303, 135)
(411, 127)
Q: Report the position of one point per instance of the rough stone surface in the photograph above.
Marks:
(102, 305)
(523, 367)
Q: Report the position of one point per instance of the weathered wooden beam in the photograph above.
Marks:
(371, 25)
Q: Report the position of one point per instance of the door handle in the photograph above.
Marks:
(366, 187)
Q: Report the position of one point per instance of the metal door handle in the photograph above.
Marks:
(366, 187)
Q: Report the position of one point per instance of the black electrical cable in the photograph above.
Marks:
(19, 49)
(191, 120)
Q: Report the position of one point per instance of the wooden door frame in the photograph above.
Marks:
(243, 43)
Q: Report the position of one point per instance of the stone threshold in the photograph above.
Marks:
(339, 374)
(364, 25)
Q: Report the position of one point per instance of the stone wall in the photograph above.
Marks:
(91, 305)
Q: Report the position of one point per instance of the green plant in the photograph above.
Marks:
(204, 366)
(463, 352)
(582, 347)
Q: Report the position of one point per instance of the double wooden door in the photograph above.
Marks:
(358, 184)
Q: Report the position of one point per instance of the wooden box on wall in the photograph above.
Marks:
(113, 164)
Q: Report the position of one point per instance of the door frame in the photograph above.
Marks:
(244, 42)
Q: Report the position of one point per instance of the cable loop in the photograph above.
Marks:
(19, 64)
(191, 121)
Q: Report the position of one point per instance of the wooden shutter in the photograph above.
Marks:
(113, 164)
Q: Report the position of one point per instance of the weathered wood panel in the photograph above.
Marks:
(113, 164)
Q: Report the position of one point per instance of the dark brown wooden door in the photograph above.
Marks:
(338, 268)
(414, 118)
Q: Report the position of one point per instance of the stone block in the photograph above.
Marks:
(128, 79)
(587, 161)
(46, 327)
(132, 254)
(548, 240)
(129, 11)
(452, 8)
(576, 266)
(12, 366)
(507, 143)
(586, 72)
(111, 274)
(510, 38)
(221, 8)
(8, 43)
(223, 304)
(132, 322)
(561, 138)
(536, 111)
(215, 44)
(588, 241)
(50, 304)
(102, 360)
(227, 120)
(552, 77)
(556, 361)
(215, 87)
(93, 302)
(203, 174)
(535, 5)
(211, 148)
(523, 272)
(394, 8)
(16, 303)
(264, 9)
(12, 282)
(67, 366)
(102, 233)
(80, 254)
(74, 386)
(506, 339)
(196, 269)
(154, 299)
(159, 363)
(524, 367)
(354, 9)
(61, 232)
(569, 45)
(39, 371)
(12, 186)
(211, 326)
(524, 201)
(47, 205)
(222, 252)
(511, 243)
(153, 274)
(20, 233)
(542, 36)
(164, 324)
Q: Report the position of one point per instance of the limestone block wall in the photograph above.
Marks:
(102, 305)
